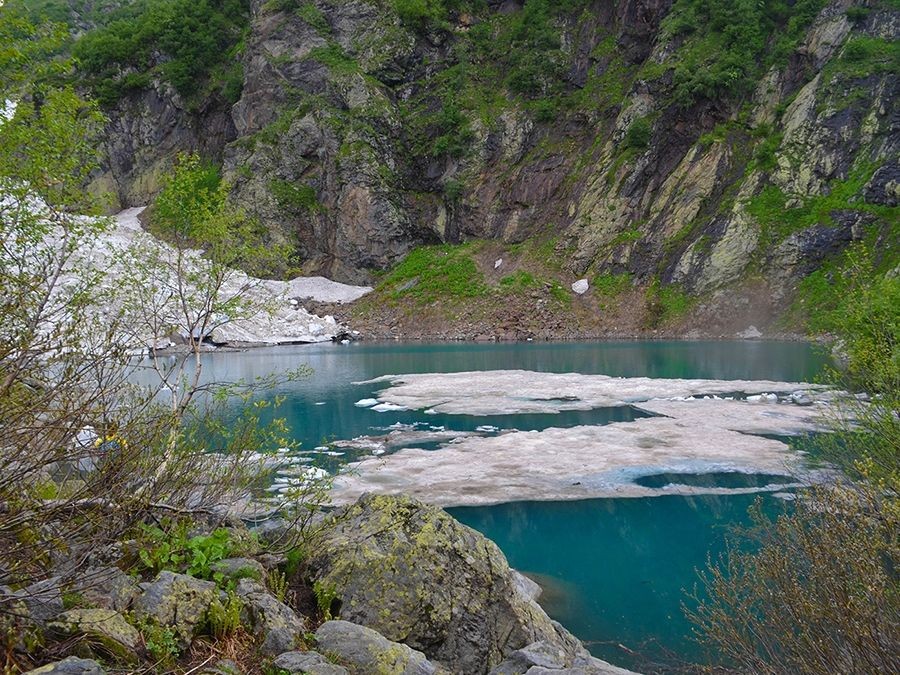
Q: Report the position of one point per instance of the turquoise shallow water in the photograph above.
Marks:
(615, 569)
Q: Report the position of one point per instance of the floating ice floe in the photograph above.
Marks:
(506, 392)
(366, 402)
(388, 407)
(700, 431)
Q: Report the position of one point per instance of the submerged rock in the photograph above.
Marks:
(414, 574)
(367, 651)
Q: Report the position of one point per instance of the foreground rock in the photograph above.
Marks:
(270, 618)
(417, 576)
(308, 663)
(370, 652)
(70, 666)
(103, 629)
(177, 600)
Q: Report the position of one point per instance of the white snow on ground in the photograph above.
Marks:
(506, 392)
(277, 320)
(693, 435)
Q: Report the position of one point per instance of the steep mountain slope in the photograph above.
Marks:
(686, 148)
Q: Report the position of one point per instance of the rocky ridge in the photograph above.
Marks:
(336, 145)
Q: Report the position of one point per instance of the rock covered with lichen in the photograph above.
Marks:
(417, 576)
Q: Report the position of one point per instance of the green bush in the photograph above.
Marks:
(727, 43)
(195, 37)
(638, 134)
(295, 197)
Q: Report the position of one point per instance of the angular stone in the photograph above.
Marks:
(309, 663)
(42, 599)
(541, 654)
(105, 628)
(275, 621)
(222, 667)
(176, 600)
(108, 588)
(580, 287)
(69, 666)
(367, 651)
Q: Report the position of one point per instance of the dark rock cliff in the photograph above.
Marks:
(360, 134)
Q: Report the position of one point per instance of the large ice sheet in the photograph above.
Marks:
(695, 436)
(505, 392)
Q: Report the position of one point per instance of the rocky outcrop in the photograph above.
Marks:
(359, 135)
(414, 574)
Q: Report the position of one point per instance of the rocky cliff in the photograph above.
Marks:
(717, 150)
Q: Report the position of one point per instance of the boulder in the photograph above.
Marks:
(69, 666)
(414, 574)
(581, 286)
(108, 588)
(277, 623)
(309, 663)
(540, 654)
(177, 600)
(367, 651)
(105, 630)
(240, 568)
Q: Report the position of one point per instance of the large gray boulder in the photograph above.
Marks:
(542, 658)
(104, 631)
(417, 576)
(277, 623)
(367, 651)
(177, 600)
(69, 666)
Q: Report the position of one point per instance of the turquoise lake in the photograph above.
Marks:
(615, 570)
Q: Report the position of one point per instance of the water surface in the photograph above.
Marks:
(615, 570)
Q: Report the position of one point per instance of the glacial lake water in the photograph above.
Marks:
(615, 570)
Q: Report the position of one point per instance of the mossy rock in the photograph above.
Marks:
(106, 630)
(414, 574)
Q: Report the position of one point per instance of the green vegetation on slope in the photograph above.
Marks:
(191, 44)
(727, 43)
(430, 273)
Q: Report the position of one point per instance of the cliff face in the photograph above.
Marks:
(594, 127)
